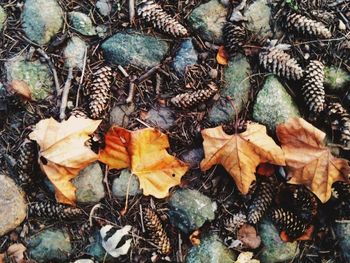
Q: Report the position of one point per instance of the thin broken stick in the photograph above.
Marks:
(65, 93)
(53, 69)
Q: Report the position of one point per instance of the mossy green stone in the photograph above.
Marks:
(258, 15)
(50, 245)
(275, 250)
(74, 53)
(134, 48)
(208, 20)
(34, 73)
(210, 250)
(42, 19)
(336, 79)
(273, 104)
(237, 87)
(2, 17)
(82, 23)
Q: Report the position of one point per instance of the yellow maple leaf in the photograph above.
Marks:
(63, 152)
(240, 154)
(309, 162)
(144, 151)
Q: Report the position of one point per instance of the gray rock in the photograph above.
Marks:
(50, 245)
(190, 209)
(96, 249)
(89, 184)
(120, 114)
(258, 15)
(104, 7)
(273, 104)
(2, 17)
(134, 48)
(13, 208)
(336, 79)
(74, 53)
(237, 87)
(275, 250)
(342, 231)
(210, 250)
(82, 23)
(208, 20)
(185, 56)
(193, 157)
(120, 184)
(161, 117)
(42, 19)
(34, 73)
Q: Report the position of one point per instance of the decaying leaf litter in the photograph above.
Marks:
(310, 35)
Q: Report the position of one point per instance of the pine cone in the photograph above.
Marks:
(306, 26)
(234, 37)
(289, 222)
(340, 122)
(313, 90)
(53, 210)
(275, 60)
(79, 113)
(304, 204)
(152, 12)
(27, 158)
(188, 100)
(235, 222)
(341, 190)
(156, 231)
(99, 92)
(261, 201)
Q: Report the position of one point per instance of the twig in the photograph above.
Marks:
(105, 180)
(125, 210)
(53, 69)
(148, 74)
(132, 90)
(95, 207)
(65, 93)
(81, 78)
(158, 84)
(123, 71)
(131, 11)
(142, 225)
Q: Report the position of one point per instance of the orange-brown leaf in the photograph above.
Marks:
(63, 152)
(221, 56)
(21, 88)
(240, 154)
(144, 151)
(309, 162)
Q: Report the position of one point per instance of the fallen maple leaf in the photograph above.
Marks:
(309, 162)
(144, 151)
(63, 152)
(21, 88)
(16, 252)
(241, 153)
(221, 56)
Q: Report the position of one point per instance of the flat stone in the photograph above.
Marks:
(258, 15)
(42, 19)
(208, 20)
(336, 80)
(89, 184)
(185, 56)
(36, 74)
(125, 180)
(275, 250)
(50, 245)
(162, 117)
(134, 48)
(193, 157)
(190, 209)
(13, 208)
(120, 114)
(237, 87)
(104, 7)
(342, 232)
(210, 250)
(2, 17)
(74, 53)
(82, 23)
(273, 104)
